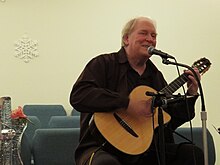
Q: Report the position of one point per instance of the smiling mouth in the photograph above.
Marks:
(147, 46)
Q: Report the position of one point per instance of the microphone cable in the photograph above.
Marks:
(188, 113)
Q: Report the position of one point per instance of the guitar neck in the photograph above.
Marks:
(175, 84)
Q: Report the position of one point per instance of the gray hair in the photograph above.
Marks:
(129, 27)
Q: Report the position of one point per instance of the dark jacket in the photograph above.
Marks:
(103, 86)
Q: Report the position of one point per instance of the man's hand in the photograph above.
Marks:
(192, 84)
(140, 107)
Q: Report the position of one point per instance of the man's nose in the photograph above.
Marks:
(149, 38)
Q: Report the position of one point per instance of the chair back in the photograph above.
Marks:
(64, 122)
(44, 112)
(75, 113)
(55, 146)
(198, 140)
(27, 139)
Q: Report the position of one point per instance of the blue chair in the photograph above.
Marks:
(27, 138)
(44, 112)
(198, 140)
(25, 150)
(75, 113)
(55, 146)
(64, 122)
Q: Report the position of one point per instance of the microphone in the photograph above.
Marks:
(152, 50)
(164, 102)
(160, 99)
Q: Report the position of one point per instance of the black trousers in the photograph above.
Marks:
(176, 154)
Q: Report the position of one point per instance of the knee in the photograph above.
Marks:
(102, 157)
(194, 154)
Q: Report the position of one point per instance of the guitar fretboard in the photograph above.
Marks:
(175, 84)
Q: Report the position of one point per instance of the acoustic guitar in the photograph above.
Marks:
(133, 134)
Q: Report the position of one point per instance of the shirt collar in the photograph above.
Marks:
(122, 56)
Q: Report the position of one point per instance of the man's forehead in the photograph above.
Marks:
(145, 21)
(144, 25)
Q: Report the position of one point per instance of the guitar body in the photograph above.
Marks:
(118, 136)
(133, 134)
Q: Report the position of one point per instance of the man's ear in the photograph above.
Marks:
(125, 40)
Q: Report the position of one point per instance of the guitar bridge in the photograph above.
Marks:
(125, 125)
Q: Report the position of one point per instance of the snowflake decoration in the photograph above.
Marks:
(26, 49)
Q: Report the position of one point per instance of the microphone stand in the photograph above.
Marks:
(203, 112)
(161, 135)
(156, 102)
(159, 100)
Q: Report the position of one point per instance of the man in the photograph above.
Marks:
(105, 85)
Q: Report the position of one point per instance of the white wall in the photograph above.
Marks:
(71, 32)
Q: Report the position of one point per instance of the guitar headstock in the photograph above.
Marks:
(202, 65)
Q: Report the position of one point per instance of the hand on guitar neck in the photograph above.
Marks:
(192, 84)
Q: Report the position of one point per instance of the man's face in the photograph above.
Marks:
(143, 35)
